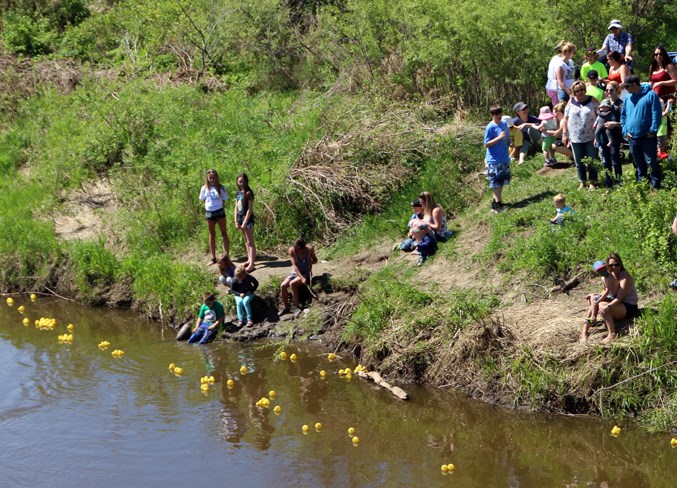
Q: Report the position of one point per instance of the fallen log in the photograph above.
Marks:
(379, 381)
(567, 285)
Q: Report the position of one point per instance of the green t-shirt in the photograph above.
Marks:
(211, 315)
(595, 91)
(597, 66)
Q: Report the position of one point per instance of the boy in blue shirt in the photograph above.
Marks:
(496, 140)
(209, 320)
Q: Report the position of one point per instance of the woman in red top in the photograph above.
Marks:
(618, 70)
(662, 73)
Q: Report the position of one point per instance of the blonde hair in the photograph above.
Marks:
(240, 272)
(578, 84)
(568, 47)
(559, 198)
(614, 85)
(428, 202)
(559, 108)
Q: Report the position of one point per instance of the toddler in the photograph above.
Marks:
(559, 201)
(548, 126)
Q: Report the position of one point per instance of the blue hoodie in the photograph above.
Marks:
(641, 112)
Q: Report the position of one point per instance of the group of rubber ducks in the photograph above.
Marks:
(47, 323)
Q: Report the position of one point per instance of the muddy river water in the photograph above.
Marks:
(71, 415)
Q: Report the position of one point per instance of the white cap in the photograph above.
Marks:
(615, 23)
(508, 120)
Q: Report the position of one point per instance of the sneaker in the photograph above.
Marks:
(673, 284)
(297, 312)
(420, 262)
(499, 207)
(494, 206)
(285, 311)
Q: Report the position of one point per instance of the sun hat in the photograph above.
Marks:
(545, 114)
(598, 265)
(615, 23)
(508, 121)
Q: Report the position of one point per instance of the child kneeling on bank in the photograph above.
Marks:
(243, 287)
(209, 320)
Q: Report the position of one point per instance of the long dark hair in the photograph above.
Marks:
(616, 56)
(615, 257)
(245, 179)
(666, 59)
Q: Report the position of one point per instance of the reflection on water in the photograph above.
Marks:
(72, 415)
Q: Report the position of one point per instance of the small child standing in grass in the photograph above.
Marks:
(559, 201)
(496, 140)
(609, 291)
(548, 126)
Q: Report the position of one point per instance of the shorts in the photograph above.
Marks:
(631, 310)
(216, 214)
(498, 174)
(548, 141)
(608, 298)
(250, 224)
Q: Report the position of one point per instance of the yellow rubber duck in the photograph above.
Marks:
(34, 297)
(451, 468)
(351, 431)
(277, 410)
(318, 426)
(341, 372)
(178, 371)
(331, 356)
(70, 327)
(323, 374)
(103, 345)
(26, 321)
(204, 387)
(10, 301)
(444, 468)
(673, 443)
(293, 358)
(210, 379)
(283, 356)
(272, 394)
(305, 429)
(171, 367)
(243, 369)
(356, 440)
(21, 309)
(616, 431)
(230, 384)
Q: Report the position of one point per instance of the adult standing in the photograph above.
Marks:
(244, 218)
(611, 154)
(662, 73)
(527, 124)
(619, 41)
(624, 305)
(579, 130)
(640, 119)
(561, 71)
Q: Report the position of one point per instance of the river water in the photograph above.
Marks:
(71, 415)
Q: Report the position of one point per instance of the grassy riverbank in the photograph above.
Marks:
(112, 113)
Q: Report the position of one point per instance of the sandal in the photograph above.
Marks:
(240, 324)
(250, 323)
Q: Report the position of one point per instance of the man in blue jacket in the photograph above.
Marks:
(640, 118)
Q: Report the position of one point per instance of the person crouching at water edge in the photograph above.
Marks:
(496, 141)
(209, 320)
(609, 292)
(243, 287)
(302, 257)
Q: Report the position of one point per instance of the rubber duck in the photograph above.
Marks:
(103, 345)
(349, 376)
(21, 309)
(331, 356)
(171, 366)
(283, 356)
(277, 410)
(356, 440)
(323, 374)
(318, 426)
(243, 369)
(451, 468)
(351, 431)
(10, 301)
(444, 468)
(347, 371)
(341, 372)
(230, 384)
(204, 387)
(293, 358)
(26, 321)
(210, 380)
(305, 429)
(70, 327)
(272, 394)
(673, 443)
(178, 371)
(118, 353)
(616, 431)
(34, 297)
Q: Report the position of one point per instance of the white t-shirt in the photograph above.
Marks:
(212, 198)
(569, 71)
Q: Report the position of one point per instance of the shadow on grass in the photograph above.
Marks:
(532, 199)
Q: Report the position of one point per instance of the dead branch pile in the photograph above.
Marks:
(351, 171)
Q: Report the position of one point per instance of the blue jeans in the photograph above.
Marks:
(408, 244)
(643, 150)
(203, 335)
(611, 159)
(244, 307)
(582, 150)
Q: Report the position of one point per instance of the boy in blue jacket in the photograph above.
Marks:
(640, 119)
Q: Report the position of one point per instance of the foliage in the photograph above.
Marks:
(95, 267)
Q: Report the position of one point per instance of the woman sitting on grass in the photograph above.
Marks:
(243, 287)
(624, 305)
(435, 216)
(609, 292)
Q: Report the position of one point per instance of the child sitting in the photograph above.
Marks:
(227, 269)
(548, 126)
(609, 292)
(559, 201)
(243, 287)
(408, 244)
(209, 320)
(425, 243)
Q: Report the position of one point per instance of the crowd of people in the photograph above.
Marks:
(590, 115)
